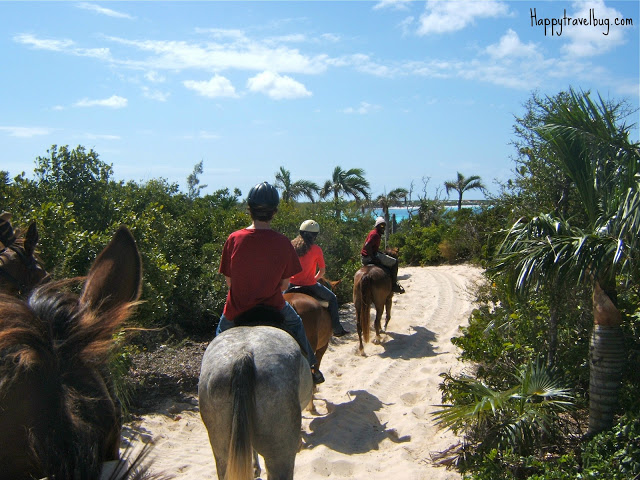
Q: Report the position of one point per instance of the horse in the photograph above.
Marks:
(372, 284)
(20, 269)
(315, 317)
(254, 384)
(59, 417)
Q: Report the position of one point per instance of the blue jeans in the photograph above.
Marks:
(323, 293)
(292, 324)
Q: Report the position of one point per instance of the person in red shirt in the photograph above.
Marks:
(257, 263)
(313, 269)
(370, 254)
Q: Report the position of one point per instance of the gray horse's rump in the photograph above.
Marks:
(283, 386)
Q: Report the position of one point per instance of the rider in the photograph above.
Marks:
(313, 269)
(257, 263)
(371, 254)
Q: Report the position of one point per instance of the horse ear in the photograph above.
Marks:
(116, 275)
(31, 239)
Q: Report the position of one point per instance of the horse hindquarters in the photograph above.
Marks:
(226, 402)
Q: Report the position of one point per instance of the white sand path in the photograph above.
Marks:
(373, 416)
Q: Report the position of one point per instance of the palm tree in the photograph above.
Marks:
(590, 146)
(462, 184)
(345, 182)
(291, 191)
(387, 201)
(516, 418)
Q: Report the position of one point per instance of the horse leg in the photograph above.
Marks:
(377, 323)
(359, 327)
(387, 307)
(280, 468)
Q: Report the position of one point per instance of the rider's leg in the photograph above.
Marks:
(324, 293)
(293, 325)
(223, 325)
(392, 264)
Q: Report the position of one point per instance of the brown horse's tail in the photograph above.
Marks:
(365, 306)
(240, 461)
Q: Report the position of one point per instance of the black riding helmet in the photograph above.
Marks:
(263, 196)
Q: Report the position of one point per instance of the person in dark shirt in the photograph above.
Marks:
(371, 254)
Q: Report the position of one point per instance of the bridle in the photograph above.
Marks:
(31, 264)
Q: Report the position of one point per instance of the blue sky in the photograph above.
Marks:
(403, 89)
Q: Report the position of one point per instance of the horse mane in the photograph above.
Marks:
(55, 347)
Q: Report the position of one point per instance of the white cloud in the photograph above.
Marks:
(278, 87)
(103, 11)
(242, 55)
(65, 45)
(589, 40)
(155, 94)
(450, 16)
(330, 37)
(395, 4)
(511, 46)
(363, 109)
(218, 86)
(112, 102)
(154, 77)
(26, 132)
(43, 44)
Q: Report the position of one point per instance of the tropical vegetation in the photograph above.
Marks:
(551, 388)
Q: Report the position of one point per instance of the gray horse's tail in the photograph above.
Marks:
(365, 306)
(240, 466)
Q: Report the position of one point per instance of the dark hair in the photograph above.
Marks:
(302, 243)
(262, 214)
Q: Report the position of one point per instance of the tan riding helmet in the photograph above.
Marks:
(310, 226)
(380, 220)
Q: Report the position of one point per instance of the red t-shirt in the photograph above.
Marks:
(311, 262)
(374, 238)
(256, 260)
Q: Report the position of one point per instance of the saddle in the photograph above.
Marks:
(307, 291)
(265, 316)
(260, 315)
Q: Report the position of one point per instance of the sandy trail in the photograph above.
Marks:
(373, 413)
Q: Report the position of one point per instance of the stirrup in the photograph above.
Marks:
(397, 288)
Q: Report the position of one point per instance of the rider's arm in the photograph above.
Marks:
(228, 280)
(320, 274)
(284, 284)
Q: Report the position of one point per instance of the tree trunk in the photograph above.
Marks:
(606, 362)
(553, 334)
(386, 230)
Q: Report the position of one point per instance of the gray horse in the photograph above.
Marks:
(254, 383)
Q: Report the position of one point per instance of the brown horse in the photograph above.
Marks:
(315, 317)
(58, 416)
(20, 269)
(372, 284)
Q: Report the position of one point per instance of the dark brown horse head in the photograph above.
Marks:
(20, 269)
(59, 416)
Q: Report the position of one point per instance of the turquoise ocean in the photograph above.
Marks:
(402, 213)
